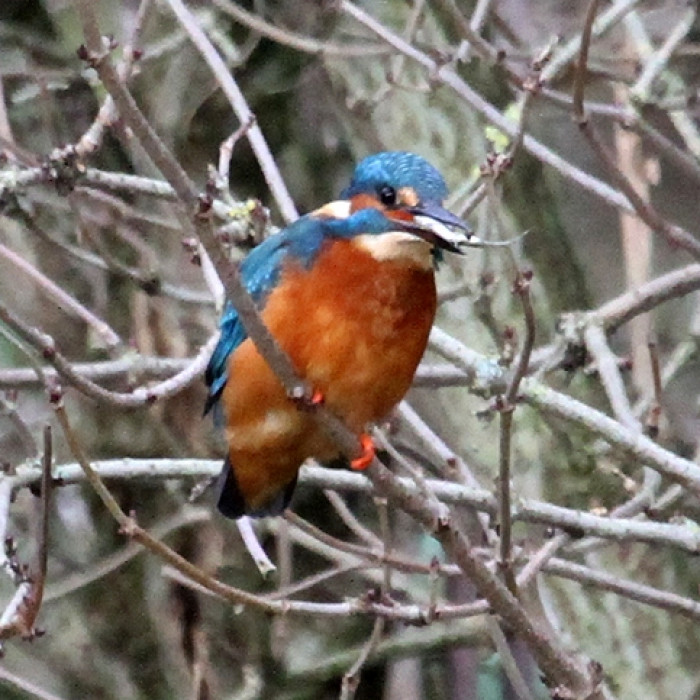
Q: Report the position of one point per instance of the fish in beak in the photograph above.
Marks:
(439, 227)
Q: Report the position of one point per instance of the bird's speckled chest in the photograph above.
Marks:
(355, 327)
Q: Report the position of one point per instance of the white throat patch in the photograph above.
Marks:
(394, 245)
(339, 209)
(397, 245)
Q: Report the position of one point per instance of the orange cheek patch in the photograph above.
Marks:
(399, 214)
(408, 196)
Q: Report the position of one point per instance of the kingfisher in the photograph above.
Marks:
(348, 292)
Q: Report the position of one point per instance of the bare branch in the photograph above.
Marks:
(63, 300)
(296, 41)
(240, 107)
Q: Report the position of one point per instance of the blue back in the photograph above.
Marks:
(260, 271)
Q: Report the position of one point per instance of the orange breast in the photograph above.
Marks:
(356, 329)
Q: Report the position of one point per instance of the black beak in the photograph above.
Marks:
(439, 227)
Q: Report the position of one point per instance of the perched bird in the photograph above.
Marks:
(348, 291)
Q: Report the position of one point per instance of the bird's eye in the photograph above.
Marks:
(387, 196)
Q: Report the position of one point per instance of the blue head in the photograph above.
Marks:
(397, 170)
(400, 191)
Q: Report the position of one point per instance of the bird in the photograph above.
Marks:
(348, 292)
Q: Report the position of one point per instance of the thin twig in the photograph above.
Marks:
(140, 396)
(620, 310)
(92, 139)
(653, 418)
(76, 581)
(20, 614)
(682, 121)
(305, 584)
(631, 590)
(652, 67)
(351, 677)
(129, 527)
(672, 285)
(446, 75)
(305, 44)
(8, 409)
(581, 74)
(607, 19)
(510, 667)
(21, 685)
(46, 491)
(255, 549)
(526, 510)
(226, 151)
(506, 409)
(62, 299)
(129, 365)
(610, 377)
(673, 234)
(128, 110)
(240, 106)
(469, 32)
(639, 446)
(350, 520)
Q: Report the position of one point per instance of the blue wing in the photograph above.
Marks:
(260, 271)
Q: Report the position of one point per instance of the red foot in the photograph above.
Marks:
(365, 459)
(308, 403)
(317, 398)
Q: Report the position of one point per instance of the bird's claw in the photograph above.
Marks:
(308, 403)
(368, 452)
(317, 398)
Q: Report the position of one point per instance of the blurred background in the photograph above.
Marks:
(326, 91)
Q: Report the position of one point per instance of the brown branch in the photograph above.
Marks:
(612, 314)
(240, 106)
(653, 418)
(610, 377)
(187, 193)
(673, 285)
(8, 409)
(46, 491)
(522, 289)
(560, 669)
(305, 44)
(506, 408)
(351, 678)
(97, 54)
(92, 139)
(130, 528)
(148, 280)
(444, 74)
(313, 580)
(73, 582)
(674, 235)
(581, 73)
(21, 613)
(350, 520)
(62, 299)
(130, 365)
(632, 590)
(622, 529)
(141, 396)
(627, 118)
